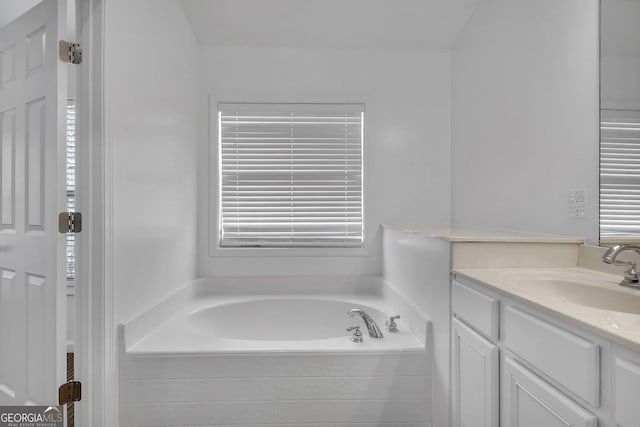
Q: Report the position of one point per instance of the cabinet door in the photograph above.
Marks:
(528, 401)
(627, 391)
(571, 360)
(474, 378)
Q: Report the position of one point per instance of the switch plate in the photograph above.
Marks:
(577, 202)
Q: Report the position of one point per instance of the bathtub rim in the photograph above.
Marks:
(156, 315)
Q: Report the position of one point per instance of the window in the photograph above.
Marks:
(619, 175)
(71, 186)
(290, 175)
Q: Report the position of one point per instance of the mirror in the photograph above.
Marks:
(619, 121)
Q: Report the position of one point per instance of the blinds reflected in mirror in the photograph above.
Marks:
(290, 175)
(619, 174)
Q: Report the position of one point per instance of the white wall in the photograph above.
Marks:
(620, 50)
(525, 116)
(407, 168)
(150, 154)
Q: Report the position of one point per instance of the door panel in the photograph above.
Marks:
(474, 385)
(528, 401)
(627, 389)
(32, 107)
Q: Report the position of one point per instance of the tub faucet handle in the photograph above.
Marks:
(357, 335)
(392, 326)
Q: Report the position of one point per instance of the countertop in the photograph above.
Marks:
(454, 233)
(619, 326)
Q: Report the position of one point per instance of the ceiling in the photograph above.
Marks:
(11, 9)
(348, 24)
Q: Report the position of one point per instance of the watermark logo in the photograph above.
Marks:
(31, 416)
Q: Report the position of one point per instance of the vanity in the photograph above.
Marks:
(540, 334)
(539, 357)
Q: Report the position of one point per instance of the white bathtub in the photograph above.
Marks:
(277, 319)
(274, 314)
(275, 351)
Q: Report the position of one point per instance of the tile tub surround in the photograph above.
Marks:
(380, 383)
(337, 390)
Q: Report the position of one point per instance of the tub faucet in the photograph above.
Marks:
(631, 279)
(374, 330)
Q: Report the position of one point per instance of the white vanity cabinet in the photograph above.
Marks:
(512, 367)
(474, 359)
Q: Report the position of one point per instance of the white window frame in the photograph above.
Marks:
(215, 250)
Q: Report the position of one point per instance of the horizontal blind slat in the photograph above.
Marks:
(620, 174)
(291, 174)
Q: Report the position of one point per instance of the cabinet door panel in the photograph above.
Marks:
(528, 401)
(474, 378)
(569, 359)
(627, 391)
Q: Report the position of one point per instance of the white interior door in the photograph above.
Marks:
(32, 140)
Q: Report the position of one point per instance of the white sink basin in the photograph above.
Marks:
(607, 297)
(593, 299)
(601, 291)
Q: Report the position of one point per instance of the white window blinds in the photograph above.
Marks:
(290, 175)
(71, 186)
(619, 174)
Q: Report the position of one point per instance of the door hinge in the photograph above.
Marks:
(70, 52)
(69, 392)
(70, 222)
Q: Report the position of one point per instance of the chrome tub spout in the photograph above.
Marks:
(372, 327)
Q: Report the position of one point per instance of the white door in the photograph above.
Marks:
(528, 401)
(32, 132)
(474, 378)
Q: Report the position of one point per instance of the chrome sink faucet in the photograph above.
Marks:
(372, 327)
(631, 278)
